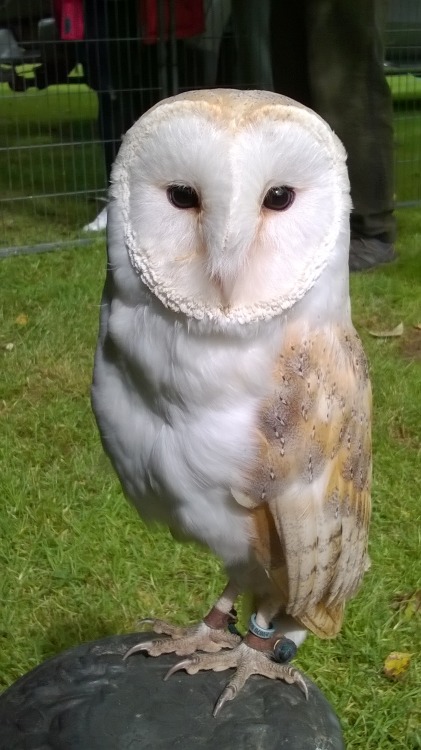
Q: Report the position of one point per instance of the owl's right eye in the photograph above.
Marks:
(182, 196)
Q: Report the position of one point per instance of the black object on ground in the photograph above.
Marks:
(87, 698)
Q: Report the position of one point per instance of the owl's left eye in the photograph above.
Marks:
(182, 196)
(279, 198)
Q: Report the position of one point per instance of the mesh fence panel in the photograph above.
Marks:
(403, 69)
(65, 102)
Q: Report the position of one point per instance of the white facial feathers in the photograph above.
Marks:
(230, 259)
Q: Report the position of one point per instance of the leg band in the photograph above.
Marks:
(257, 630)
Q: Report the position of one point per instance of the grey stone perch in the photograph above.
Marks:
(87, 698)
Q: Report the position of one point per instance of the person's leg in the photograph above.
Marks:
(121, 70)
(288, 37)
(250, 23)
(113, 69)
(349, 89)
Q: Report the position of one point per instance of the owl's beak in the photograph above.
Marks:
(225, 288)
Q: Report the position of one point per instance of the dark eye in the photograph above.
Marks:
(182, 196)
(279, 198)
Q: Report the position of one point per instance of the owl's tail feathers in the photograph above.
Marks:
(323, 621)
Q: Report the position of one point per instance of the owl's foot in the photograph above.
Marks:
(211, 635)
(247, 660)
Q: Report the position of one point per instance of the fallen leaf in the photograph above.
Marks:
(9, 347)
(22, 319)
(397, 331)
(396, 665)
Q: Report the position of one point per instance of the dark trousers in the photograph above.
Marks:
(117, 67)
(329, 55)
(127, 74)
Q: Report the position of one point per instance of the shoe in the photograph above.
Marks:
(98, 224)
(369, 252)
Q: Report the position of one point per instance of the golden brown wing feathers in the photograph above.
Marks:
(313, 476)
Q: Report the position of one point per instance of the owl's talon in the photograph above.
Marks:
(298, 680)
(143, 646)
(183, 664)
(145, 621)
(227, 695)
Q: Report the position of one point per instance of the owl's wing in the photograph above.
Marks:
(313, 478)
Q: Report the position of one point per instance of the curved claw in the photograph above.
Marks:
(302, 685)
(183, 664)
(145, 621)
(227, 695)
(144, 646)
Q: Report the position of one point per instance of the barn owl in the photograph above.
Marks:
(230, 387)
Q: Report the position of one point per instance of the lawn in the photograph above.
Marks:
(78, 563)
(51, 164)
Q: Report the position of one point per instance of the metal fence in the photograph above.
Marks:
(73, 78)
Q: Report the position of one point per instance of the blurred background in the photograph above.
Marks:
(74, 76)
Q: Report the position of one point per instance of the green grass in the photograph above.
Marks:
(405, 87)
(50, 138)
(79, 564)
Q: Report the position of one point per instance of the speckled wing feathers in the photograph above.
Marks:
(312, 482)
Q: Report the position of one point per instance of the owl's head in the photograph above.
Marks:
(233, 203)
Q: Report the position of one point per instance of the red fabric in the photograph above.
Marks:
(69, 18)
(189, 19)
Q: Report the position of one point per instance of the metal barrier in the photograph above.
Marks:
(56, 150)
